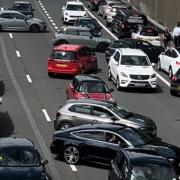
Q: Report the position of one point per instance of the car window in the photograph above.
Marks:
(75, 7)
(64, 55)
(174, 54)
(6, 16)
(75, 83)
(71, 31)
(22, 7)
(95, 135)
(18, 16)
(117, 56)
(168, 53)
(83, 109)
(101, 112)
(149, 33)
(84, 33)
(113, 138)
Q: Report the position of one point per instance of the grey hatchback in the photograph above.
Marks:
(84, 111)
(80, 35)
(15, 21)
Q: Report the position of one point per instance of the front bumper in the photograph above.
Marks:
(70, 19)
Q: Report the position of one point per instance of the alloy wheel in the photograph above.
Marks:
(71, 155)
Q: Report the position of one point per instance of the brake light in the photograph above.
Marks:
(58, 115)
(174, 78)
(177, 62)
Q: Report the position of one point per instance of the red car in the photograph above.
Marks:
(89, 86)
(71, 59)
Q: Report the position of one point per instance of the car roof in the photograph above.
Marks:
(90, 77)
(9, 11)
(129, 51)
(22, 2)
(68, 47)
(74, 2)
(11, 142)
(74, 27)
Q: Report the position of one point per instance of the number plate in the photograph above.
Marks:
(62, 65)
(139, 84)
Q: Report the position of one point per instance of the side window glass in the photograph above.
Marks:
(168, 53)
(117, 56)
(83, 109)
(18, 16)
(112, 138)
(75, 83)
(6, 16)
(71, 32)
(174, 54)
(101, 112)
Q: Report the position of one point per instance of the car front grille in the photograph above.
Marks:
(139, 77)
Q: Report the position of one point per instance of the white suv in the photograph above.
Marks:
(72, 10)
(131, 68)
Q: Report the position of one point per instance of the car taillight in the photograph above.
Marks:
(139, 38)
(58, 115)
(177, 62)
(174, 78)
(122, 26)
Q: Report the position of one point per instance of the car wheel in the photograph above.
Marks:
(71, 154)
(34, 28)
(50, 74)
(60, 42)
(117, 84)
(170, 73)
(95, 67)
(107, 24)
(0, 28)
(172, 92)
(64, 125)
(159, 65)
(109, 74)
(101, 47)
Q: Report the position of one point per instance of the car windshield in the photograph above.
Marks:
(63, 55)
(134, 137)
(94, 87)
(72, 7)
(149, 33)
(135, 60)
(19, 158)
(23, 7)
(153, 171)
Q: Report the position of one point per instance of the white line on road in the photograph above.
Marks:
(29, 78)
(10, 35)
(56, 27)
(2, 8)
(54, 24)
(51, 20)
(73, 167)
(18, 54)
(163, 79)
(46, 115)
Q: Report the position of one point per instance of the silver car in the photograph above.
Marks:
(84, 111)
(15, 21)
(80, 35)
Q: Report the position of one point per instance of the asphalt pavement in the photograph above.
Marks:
(31, 98)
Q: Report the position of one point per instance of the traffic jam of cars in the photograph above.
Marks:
(92, 125)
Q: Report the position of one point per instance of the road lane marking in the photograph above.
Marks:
(56, 27)
(18, 54)
(51, 20)
(163, 79)
(29, 78)
(2, 8)
(54, 24)
(46, 115)
(11, 35)
(73, 167)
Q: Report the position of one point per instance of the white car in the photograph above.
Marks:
(72, 10)
(131, 68)
(147, 34)
(169, 61)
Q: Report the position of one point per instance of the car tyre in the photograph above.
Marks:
(159, 65)
(71, 154)
(109, 74)
(119, 34)
(34, 28)
(117, 84)
(170, 73)
(64, 125)
(0, 28)
(95, 67)
(50, 74)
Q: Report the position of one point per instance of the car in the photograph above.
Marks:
(88, 86)
(112, 12)
(15, 21)
(103, 141)
(71, 59)
(94, 4)
(24, 7)
(175, 83)
(147, 33)
(84, 111)
(19, 159)
(80, 35)
(126, 21)
(140, 164)
(152, 51)
(105, 7)
(169, 61)
(131, 68)
(71, 10)
(91, 23)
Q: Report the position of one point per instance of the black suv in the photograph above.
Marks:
(141, 164)
(126, 21)
(24, 7)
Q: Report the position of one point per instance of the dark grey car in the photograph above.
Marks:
(84, 111)
(80, 35)
(15, 21)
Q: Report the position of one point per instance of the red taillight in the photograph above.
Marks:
(58, 115)
(177, 62)
(174, 78)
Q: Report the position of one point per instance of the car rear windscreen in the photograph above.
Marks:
(64, 55)
(149, 33)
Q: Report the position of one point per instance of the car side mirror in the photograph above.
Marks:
(44, 162)
(153, 64)
(63, 8)
(111, 89)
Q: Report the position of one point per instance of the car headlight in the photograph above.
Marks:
(153, 75)
(124, 74)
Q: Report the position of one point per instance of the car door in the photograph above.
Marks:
(163, 58)
(114, 64)
(167, 60)
(20, 22)
(72, 89)
(173, 64)
(72, 36)
(6, 21)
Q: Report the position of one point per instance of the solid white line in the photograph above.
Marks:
(46, 115)
(56, 27)
(47, 14)
(2, 8)
(43, 9)
(73, 167)
(29, 78)
(49, 17)
(10, 35)
(163, 79)
(18, 54)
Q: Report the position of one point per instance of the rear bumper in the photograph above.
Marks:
(63, 72)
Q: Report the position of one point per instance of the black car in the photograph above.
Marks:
(175, 84)
(90, 23)
(151, 50)
(127, 21)
(104, 140)
(141, 164)
(24, 7)
(19, 159)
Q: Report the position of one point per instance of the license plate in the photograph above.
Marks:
(62, 65)
(139, 84)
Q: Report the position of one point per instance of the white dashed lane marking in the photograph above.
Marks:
(2, 8)
(10, 35)
(29, 78)
(18, 54)
(162, 79)
(48, 119)
(73, 167)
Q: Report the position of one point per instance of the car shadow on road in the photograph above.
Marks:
(2, 88)
(6, 125)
